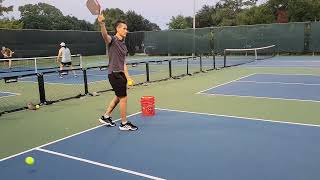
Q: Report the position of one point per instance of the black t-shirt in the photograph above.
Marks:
(117, 55)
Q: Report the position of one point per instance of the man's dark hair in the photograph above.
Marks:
(118, 23)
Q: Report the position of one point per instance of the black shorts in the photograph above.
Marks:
(66, 63)
(118, 82)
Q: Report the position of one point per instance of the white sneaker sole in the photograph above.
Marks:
(107, 124)
(126, 129)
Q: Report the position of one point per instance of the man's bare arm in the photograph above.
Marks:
(104, 32)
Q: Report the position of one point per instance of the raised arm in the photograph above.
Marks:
(104, 32)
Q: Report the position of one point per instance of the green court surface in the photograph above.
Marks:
(20, 131)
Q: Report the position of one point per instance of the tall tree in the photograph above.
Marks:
(204, 16)
(227, 11)
(256, 15)
(135, 21)
(46, 16)
(180, 22)
(297, 11)
(40, 16)
(4, 9)
(149, 26)
(304, 10)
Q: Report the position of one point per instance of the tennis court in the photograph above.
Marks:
(214, 146)
(274, 86)
(246, 109)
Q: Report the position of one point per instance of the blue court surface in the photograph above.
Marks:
(274, 86)
(70, 79)
(288, 61)
(177, 145)
(7, 94)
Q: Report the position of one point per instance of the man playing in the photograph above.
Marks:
(64, 59)
(7, 53)
(117, 73)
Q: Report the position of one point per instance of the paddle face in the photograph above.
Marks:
(94, 7)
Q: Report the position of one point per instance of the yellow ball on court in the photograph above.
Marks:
(37, 106)
(29, 160)
(130, 83)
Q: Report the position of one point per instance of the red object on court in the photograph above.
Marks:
(148, 105)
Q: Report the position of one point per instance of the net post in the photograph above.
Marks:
(188, 66)
(81, 63)
(200, 63)
(35, 65)
(255, 54)
(170, 69)
(85, 81)
(42, 93)
(224, 58)
(147, 72)
(214, 60)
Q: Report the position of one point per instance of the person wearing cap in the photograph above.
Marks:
(64, 59)
(7, 53)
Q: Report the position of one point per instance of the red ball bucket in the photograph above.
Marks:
(148, 105)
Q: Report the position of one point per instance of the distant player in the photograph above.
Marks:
(64, 59)
(7, 53)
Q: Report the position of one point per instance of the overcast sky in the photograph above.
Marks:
(156, 11)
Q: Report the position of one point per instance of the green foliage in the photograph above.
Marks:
(45, 16)
(180, 22)
(134, 21)
(247, 12)
(204, 17)
(304, 10)
(10, 24)
(298, 11)
(256, 15)
(4, 9)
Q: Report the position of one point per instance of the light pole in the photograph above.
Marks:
(194, 28)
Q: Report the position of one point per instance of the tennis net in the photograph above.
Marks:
(35, 64)
(234, 57)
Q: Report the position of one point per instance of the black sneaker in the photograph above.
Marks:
(107, 121)
(128, 127)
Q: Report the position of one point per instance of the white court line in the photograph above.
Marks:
(275, 67)
(260, 97)
(316, 75)
(58, 140)
(279, 65)
(55, 83)
(10, 94)
(46, 82)
(284, 61)
(225, 83)
(100, 164)
(240, 117)
(285, 83)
